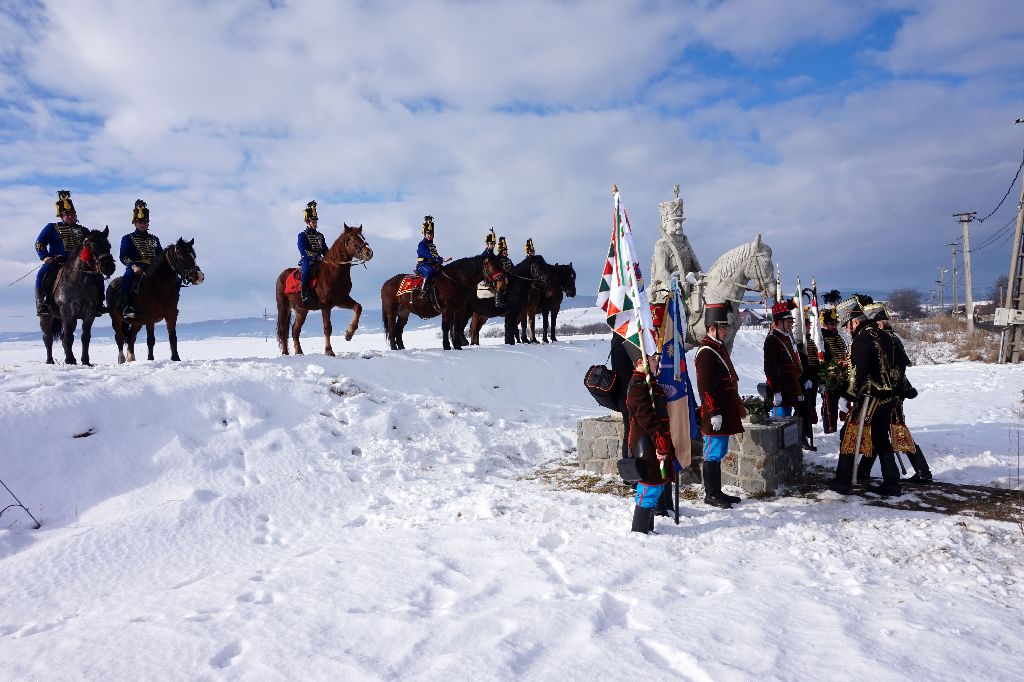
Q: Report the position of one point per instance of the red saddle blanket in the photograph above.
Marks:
(293, 282)
(409, 283)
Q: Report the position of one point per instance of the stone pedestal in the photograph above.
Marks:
(599, 447)
(764, 456)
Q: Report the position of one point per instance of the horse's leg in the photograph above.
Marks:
(326, 312)
(284, 318)
(510, 328)
(150, 340)
(545, 314)
(46, 325)
(475, 323)
(172, 336)
(118, 325)
(350, 303)
(86, 337)
(446, 329)
(399, 328)
(554, 319)
(70, 323)
(300, 319)
(133, 333)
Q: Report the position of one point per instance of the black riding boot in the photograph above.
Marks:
(41, 306)
(890, 476)
(922, 474)
(664, 505)
(713, 486)
(864, 467)
(842, 483)
(643, 520)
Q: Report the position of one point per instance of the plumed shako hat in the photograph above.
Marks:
(64, 204)
(428, 225)
(309, 213)
(783, 310)
(502, 245)
(140, 214)
(530, 251)
(489, 238)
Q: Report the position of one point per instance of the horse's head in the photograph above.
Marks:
(353, 245)
(567, 279)
(96, 251)
(493, 274)
(759, 268)
(181, 256)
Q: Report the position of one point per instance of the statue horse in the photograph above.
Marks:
(77, 290)
(518, 284)
(727, 281)
(561, 281)
(454, 285)
(157, 299)
(332, 285)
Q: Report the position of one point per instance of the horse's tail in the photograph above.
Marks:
(284, 309)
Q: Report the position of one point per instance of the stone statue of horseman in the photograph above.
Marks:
(672, 253)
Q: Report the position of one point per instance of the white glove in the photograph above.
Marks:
(800, 398)
(778, 399)
(808, 384)
(716, 422)
(844, 405)
(821, 389)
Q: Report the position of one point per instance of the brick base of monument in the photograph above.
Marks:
(599, 447)
(764, 456)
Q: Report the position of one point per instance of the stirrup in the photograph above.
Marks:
(128, 312)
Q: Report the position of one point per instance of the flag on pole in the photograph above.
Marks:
(674, 379)
(622, 294)
(798, 327)
(819, 342)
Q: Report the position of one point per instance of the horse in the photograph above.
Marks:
(518, 284)
(727, 281)
(562, 279)
(454, 284)
(332, 285)
(77, 290)
(157, 299)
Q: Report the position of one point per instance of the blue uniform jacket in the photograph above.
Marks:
(59, 239)
(312, 246)
(426, 252)
(139, 248)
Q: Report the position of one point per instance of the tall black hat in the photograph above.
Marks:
(310, 212)
(502, 245)
(64, 204)
(849, 309)
(530, 251)
(717, 313)
(428, 225)
(140, 213)
(489, 238)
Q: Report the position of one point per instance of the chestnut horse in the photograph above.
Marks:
(333, 287)
(76, 291)
(454, 285)
(157, 299)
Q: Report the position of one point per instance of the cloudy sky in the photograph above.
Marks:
(846, 133)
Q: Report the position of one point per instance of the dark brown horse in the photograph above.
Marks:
(333, 288)
(559, 280)
(76, 291)
(157, 299)
(454, 285)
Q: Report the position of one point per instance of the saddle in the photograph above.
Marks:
(409, 283)
(293, 283)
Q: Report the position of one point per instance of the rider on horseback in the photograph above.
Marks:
(488, 252)
(506, 263)
(138, 251)
(428, 261)
(312, 247)
(54, 244)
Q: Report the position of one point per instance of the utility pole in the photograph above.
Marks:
(952, 261)
(1011, 352)
(941, 281)
(965, 222)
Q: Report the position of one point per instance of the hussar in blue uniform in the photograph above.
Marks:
(55, 242)
(312, 249)
(138, 251)
(428, 261)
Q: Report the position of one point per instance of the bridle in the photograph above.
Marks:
(87, 255)
(346, 239)
(185, 274)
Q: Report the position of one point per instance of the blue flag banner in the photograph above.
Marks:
(673, 377)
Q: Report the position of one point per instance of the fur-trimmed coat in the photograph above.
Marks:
(718, 386)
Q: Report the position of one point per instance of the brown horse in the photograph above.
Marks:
(453, 285)
(159, 290)
(333, 287)
(547, 300)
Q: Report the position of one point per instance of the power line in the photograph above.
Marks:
(1008, 190)
(995, 235)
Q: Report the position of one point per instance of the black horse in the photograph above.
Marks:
(524, 277)
(454, 284)
(76, 292)
(560, 279)
(157, 299)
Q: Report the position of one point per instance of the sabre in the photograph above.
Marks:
(860, 434)
(903, 467)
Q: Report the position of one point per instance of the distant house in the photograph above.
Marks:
(751, 317)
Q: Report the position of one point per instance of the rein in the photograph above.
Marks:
(183, 276)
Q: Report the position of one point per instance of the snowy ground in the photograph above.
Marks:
(240, 515)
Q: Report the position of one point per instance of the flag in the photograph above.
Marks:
(674, 379)
(622, 294)
(819, 342)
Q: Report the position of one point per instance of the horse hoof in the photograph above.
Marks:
(70, 361)
(174, 358)
(349, 335)
(329, 352)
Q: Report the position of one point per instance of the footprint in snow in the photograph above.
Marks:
(227, 655)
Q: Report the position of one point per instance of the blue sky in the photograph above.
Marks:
(846, 133)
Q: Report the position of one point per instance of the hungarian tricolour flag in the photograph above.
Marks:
(622, 294)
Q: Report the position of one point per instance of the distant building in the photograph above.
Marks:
(751, 317)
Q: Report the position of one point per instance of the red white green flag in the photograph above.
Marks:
(622, 294)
